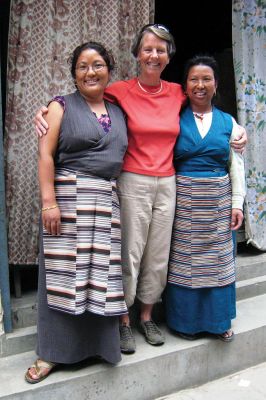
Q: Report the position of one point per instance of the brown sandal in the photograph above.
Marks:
(39, 366)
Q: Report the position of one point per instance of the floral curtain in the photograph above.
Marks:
(249, 51)
(42, 36)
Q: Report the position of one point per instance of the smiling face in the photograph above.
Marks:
(201, 87)
(153, 57)
(91, 74)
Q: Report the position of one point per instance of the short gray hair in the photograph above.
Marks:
(158, 30)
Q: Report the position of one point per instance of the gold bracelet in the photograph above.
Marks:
(49, 208)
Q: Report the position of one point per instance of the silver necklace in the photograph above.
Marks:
(147, 91)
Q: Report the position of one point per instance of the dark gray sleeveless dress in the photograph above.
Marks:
(62, 337)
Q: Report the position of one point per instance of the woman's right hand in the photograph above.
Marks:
(41, 125)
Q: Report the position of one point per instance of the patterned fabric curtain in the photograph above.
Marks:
(249, 50)
(42, 36)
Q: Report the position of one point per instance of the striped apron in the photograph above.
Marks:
(202, 248)
(83, 264)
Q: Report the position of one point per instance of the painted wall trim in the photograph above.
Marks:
(4, 267)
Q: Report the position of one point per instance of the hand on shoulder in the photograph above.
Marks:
(41, 125)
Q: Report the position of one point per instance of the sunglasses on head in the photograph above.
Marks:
(157, 26)
(162, 27)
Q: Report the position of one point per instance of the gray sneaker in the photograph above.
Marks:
(127, 341)
(152, 333)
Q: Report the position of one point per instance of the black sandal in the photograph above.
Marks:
(225, 336)
(189, 336)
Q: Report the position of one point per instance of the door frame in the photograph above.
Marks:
(4, 266)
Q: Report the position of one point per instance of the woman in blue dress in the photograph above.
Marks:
(200, 294)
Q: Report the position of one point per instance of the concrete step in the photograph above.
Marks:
(251, 287)
(250, 265)
(24, 310)
(249, 384)
(152, 371)
(19, 341)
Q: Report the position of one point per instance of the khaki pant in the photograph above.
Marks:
(147, 213)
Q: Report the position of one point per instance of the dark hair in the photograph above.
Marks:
(158, 30)
(200, 59)
(105, 54)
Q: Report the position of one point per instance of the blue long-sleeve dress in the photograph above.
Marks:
(200, 293)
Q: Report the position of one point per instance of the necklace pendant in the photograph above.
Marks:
(199, 116)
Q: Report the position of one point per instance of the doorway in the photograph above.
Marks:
(198, 28)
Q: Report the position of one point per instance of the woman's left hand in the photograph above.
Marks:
(239, 143)
(236, 219)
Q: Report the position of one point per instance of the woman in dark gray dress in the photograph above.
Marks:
(80, 293)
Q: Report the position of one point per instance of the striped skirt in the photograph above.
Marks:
(83, 264)
(202, 247)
